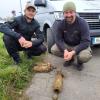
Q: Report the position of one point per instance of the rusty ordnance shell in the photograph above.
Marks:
(42, 67)
(58, 82)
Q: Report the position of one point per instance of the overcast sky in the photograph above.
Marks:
(6, 6)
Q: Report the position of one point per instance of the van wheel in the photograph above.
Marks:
(50, 39)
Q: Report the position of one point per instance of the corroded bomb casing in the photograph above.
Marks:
(42, 67)
(58, 82)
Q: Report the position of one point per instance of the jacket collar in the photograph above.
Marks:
(24, 19)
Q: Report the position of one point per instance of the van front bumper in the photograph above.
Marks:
(95, 37)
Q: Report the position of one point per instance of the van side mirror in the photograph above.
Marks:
(40, 3)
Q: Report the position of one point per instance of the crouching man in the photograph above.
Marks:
(72, 37)
(23, 34)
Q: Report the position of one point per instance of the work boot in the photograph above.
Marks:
(79, 66)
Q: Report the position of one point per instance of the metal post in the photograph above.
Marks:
(20, 7)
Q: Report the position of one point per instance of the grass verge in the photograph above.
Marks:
(13, 80)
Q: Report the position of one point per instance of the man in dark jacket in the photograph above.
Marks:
(72, 37)
(23, 34)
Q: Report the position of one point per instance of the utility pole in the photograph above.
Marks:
(20, 6)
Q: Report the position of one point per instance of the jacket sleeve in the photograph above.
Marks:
(39, 37)
(85, 37)
(8, 29)
(59, 37)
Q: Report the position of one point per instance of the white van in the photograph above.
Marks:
(50, 10)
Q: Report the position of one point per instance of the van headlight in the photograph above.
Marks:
(58, 15)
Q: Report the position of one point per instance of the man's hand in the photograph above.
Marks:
(27, 44)
(69, 55)
(22, 41)
(66, 54)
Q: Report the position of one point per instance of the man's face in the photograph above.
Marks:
(70, 16)
(30, 12)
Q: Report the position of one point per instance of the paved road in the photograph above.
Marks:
(84, 85)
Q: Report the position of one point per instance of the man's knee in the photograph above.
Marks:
(85, 55)
(7, 40)
(11, 44)
(10, 41)
(36, 51)
(55, 50)
(43, 48)
(39, 50)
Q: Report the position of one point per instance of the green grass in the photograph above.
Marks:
(13, 80)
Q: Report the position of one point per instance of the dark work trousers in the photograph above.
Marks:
(13, 47)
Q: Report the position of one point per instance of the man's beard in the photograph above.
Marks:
(69, 20)
(28, 17)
